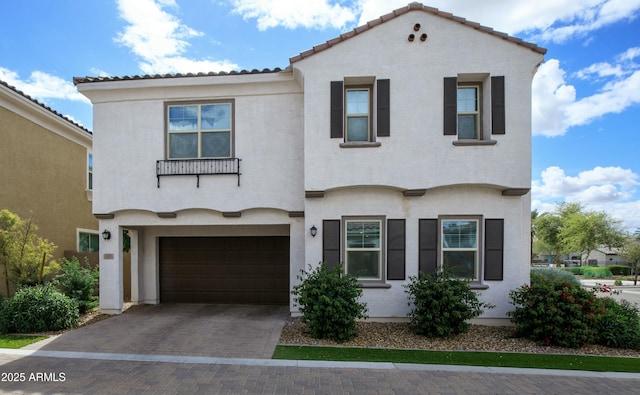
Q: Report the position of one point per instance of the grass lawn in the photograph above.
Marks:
(497, 359)
(18, 341)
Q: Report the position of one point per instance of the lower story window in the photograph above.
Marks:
(88, 242)
(363, 248)
(460, 239)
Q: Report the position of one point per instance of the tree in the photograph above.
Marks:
(570, 228)
(584, 231)
(547, 230)
(631, 252)
(25, 256)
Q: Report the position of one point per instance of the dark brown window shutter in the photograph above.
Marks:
(331, 242)
(497, 105)
(383, 114)
(428, 245)
(337, 113)
(493, 249)
(396, 249)
(451, 106)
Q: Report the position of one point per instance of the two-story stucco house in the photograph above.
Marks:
(46, 173)
(401, 146)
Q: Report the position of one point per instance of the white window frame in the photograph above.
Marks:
(380, 249)
(477, 113)
(478, 243)
(347, 115)
(199, 131)
(80, 231)
(90, 171)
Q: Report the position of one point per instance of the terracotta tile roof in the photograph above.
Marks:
(82, 80)
(51, 110)
(404, 10)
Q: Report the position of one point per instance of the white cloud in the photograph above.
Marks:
(42, 86)
(600, 189)
(291, 14)
(160, 39)
(555, 107)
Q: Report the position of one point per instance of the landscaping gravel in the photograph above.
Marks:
(478, 338)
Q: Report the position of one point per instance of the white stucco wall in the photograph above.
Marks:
(129, 120)
(418, 155)
(390, 203)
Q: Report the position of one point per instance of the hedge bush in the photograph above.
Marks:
(596, 272)
(328, 301)
(619, 325)
(40, 308)
(442, 305)
(553, 273)
(79, 283)
(620, 270)
(576, 270)
(555, 312)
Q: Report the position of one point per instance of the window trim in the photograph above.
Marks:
(491, 107)
(199, 131)
(479, 132)
(382, 249)
(80, 231)
(89, 171)
(479, 263)
(369, 114)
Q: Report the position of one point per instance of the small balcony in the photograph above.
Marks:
(198, 167)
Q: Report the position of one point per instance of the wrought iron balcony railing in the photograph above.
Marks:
(197, 167)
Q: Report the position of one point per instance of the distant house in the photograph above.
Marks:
(46, 172)
(605, 256)
(399, 147)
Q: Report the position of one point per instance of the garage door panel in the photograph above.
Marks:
(241, 270)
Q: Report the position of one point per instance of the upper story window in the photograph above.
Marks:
(200, 130)
(360, 110)
(468, 104)
(471, 113)
(90, 172)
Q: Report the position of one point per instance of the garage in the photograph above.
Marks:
(225, 270)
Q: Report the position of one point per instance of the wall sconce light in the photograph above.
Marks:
(314, 231)
(106, 234)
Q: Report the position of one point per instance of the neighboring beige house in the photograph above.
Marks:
(605, 256)
(399, 147)
(45, 172)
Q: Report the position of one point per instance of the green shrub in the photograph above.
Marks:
(597, 272)
(40, 308)
(619, 326)
(555, 312)
(576, 270)
(553, 273)
(620, 270)
(328, 301)
(79, 283)
(441, 305)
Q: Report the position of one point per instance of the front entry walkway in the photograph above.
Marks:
(224, 331)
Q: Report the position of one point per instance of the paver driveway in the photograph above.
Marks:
(226, 331)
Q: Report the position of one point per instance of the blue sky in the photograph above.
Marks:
(586, 96)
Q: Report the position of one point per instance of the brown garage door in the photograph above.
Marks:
(238, 270)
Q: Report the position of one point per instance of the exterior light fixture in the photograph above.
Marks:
(314, 231)
(106, 234)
